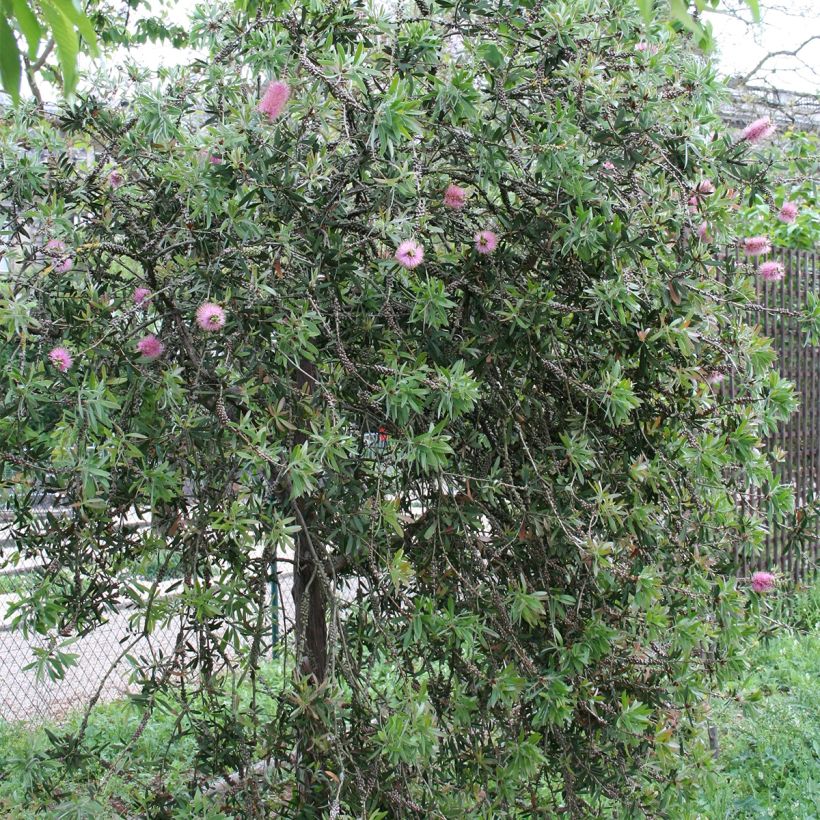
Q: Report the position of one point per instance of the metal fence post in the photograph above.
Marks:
(274, 608)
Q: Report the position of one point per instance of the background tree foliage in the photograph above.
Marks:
(520, 458)
(25, 23)
(46, 37)
(796, 182)
(74, 27)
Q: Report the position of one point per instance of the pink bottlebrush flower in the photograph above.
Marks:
(116, 179)
(455, 197)
(772, 271)
(714, 377)
(61, 359)
(62, 261)
(409, 254)
(207, 156)
(150, 347)
(274, 100)
(608, 166)
(758, 130)
(763, 581)
(210, 317)
(486, 242)
(703, 189)
(703, 232)
(756, 245)
(788, 213)
(140, 295)
(644, 46)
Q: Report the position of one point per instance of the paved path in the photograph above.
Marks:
(23, 697)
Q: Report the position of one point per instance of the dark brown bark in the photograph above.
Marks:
(308, 595)
(311, 624)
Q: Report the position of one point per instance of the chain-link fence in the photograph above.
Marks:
(102, 667)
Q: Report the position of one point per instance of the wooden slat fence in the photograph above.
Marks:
(793, 549)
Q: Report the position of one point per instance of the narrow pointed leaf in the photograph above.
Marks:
(646, 7)
(66, 41)
(9, 60)
(80, 21)
(29, 26)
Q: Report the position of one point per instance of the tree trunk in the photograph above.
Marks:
(308, 595)
(311, 625)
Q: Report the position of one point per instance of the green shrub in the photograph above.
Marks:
(800, 611)
(797, 183)
(514, 447)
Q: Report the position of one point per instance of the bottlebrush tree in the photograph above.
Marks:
(432, 300)
(792, 217)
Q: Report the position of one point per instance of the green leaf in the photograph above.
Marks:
(681, 13)
(528, 607)
(29, 25)
(82, 23)
(491, 54)
(646, 7)
(401, 571)
(755, 7)
(9, 60)
(66, 41)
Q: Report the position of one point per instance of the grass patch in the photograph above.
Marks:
(108, 778)
(18, 582)
(34, 784)
(769, 735)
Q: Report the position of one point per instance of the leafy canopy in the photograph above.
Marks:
(506, 482)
